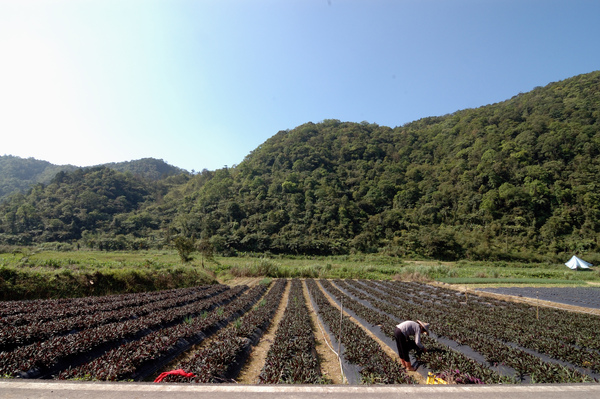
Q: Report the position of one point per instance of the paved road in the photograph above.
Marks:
(95, 390)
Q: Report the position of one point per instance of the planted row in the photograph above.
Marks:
(452, 359)
(37, 331)
(292, 358)
(450, 320)
(359, 348)
(41, 358)
(222, 359)
(129, 361)
(495, 327)
(20, 312)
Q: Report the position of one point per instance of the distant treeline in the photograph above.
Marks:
(20, 174)
(514, 180)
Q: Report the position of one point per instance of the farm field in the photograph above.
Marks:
(588, 297)
(210, 332)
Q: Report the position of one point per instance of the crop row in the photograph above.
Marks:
(220, 361)
(41, 358)
(38, 331)
(125, 337)
(444, 360)
(494, 328)
(447, 323)
(440, 358)
(292, 358)
(569, 328)
(450, 318)
(359, 347)
(20, 312)
(129, 360)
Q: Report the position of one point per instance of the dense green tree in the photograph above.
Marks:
(185, 247)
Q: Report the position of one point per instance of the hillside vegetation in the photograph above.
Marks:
(20, 174)
(513, 180)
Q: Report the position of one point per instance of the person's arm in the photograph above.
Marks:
(418, 339)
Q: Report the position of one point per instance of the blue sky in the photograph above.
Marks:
(200, 84)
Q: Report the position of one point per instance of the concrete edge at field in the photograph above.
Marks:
(139, 388)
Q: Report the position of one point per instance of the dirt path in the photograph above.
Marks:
(389, 351)
(251, 370)
(249, 281)
(330, 364)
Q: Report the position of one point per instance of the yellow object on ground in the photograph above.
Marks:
(432, 379)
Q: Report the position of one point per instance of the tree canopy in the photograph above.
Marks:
(19, 174)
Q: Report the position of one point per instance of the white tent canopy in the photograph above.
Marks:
(576, 263)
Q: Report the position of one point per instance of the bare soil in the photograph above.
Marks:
(330, 364)
(251, 370)
(249, 281)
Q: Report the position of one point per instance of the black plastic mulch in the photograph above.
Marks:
(351, 371)
(588, 297)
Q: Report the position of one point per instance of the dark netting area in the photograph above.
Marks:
(588, 297)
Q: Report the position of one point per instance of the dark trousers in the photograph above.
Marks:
(404, 344)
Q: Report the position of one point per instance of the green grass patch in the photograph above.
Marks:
(34, 272)
(29, 274)
(304, 267)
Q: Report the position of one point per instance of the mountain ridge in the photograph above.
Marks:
(19, 174)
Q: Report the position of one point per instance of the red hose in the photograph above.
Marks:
(180, 372)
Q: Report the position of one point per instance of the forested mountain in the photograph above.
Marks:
(521, 176)
(19, 174)
(86, 204)
(148, 168)
(517, 179)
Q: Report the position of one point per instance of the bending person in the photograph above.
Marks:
(403, 332)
